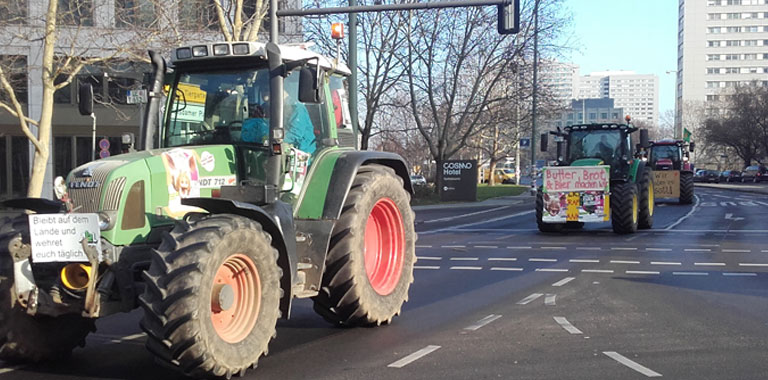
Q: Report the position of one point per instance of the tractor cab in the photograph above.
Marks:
(668, 154)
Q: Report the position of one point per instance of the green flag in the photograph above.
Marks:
(686, 135)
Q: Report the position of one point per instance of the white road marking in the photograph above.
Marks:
(686, 216)
(739, 274)
(641, 272)
(623, 249)
(10, 369)
(549, 300)
(465, 258)
(428, 258)
(697, 250)
(529, 299)
(551, 270)
(584, 261)
(539, 260)
(509, 269)
(461, 226)
(752, 265)
(488, 319)
(736, 250)
(454, 246)
(553, 247)
(423, 246)
(659, 249)
(414, 356)
(513, 247)
(564, 281)
(486, 246)
(665, 263)
(690, 274)
(631, 364)
(432, 267)
(588, 248)
(466, 268)
(710, 264)
(567, 325)
(502, 259)
(624, 262)
(465, 215)
(597, 271)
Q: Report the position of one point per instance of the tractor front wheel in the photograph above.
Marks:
(369, 267)
(645, 184)
(212, 296)
(26, 338)
(624, 207)
(686, 188)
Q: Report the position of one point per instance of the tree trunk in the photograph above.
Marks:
(491, 170)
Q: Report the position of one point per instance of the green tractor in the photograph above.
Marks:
(249, 192)
(599, 177)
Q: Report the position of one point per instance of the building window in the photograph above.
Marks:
(19, 166)
(64, 94)
(13, 12)
(16, 66)
(135, 13)
(75, 12)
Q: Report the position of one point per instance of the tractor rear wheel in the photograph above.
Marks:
(212, 296)
(624, 207)
(26, 338)
(686, 188)
(369, 267)
(543, 226)
(645, 184)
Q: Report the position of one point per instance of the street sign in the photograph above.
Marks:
(104, 144)
(525, 142)
(136, 96)
(104, 153)
(509, 17)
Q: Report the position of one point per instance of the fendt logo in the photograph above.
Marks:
(84, 184)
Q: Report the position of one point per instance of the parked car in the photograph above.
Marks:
(754, 173)
(418, 180)
(712, 176)
(730, 176)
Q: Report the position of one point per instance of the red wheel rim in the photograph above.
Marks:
(235, 298)
(384, 246)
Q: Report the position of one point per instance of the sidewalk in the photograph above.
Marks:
(743, 187)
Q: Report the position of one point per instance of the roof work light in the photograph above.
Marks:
(337, 30)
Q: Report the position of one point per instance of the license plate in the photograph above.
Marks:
(57, 237)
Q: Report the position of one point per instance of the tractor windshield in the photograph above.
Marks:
(603, 144)
(670, 152)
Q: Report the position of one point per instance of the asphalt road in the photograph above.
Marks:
(494, 298)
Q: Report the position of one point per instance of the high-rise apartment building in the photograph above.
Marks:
(721, 44)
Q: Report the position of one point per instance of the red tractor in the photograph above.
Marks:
(672, 169)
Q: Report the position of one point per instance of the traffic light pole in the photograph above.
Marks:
(535, 87)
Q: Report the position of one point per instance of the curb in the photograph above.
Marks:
(759, 190)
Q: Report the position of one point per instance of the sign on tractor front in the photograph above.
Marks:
(666, 183)
(575, 194)
(58, 237)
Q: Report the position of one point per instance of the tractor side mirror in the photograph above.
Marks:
(85, 101)
(308, 86)
(644, 141)
(544, 142)
(691, 146)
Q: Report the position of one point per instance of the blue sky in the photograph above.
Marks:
(637, 35)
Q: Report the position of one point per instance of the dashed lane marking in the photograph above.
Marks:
(764, 250)
(567, 325)
(665, 263)
(529, 299)
(553, 247)
(690, 274)
(513, 247)
(697, 250)
(453, 246)
(483, 322)
(540, 260)
(465, 258)
(508, 269)
(624, 262)
(564, 281)
(551, 270)
(429, 267)
(549, 300)
(423, 246)
(710, 264)
(739, 274)
(623, 249)
(502, 259)
(414, 356)
(487, 246)
(466, 268)
(584, 261)
(736, 250)
(597, 271)
(428, 258)
(642, 272)
(588, 248)
(752, 265)
(631, 364)
(659, 249)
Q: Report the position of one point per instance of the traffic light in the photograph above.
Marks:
(509, 17)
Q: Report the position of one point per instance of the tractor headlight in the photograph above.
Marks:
(60, 188)
(106, 221)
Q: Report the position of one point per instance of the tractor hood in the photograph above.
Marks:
(141, 190)
(587, 162)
